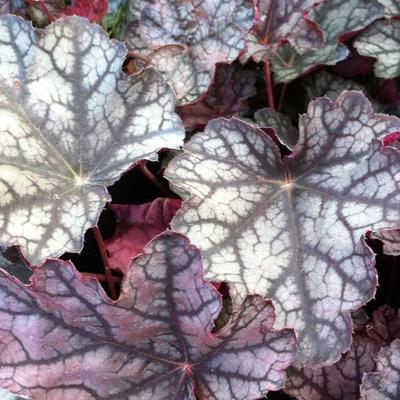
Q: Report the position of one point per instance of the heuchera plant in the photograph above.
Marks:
(198, 199)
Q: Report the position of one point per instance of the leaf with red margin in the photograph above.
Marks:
(384, 384)
(71, 124)
(291, 230)
(63, 338)
(227, 96)
(188, 38)
(137, 225)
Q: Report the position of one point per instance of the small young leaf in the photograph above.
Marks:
(72, 123)
(63, 338)
(137, 225)
(382, 41)
(291, 231)
(385, 383)
(189, 38)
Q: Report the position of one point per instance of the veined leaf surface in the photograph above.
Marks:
(72, 123)
(62, 338)
(292, 230)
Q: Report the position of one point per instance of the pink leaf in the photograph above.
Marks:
(62, 338)
(94, 10)
(137, 225)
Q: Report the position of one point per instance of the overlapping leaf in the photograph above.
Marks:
(283, 127)
(227, 96)
(342, 380)
(335, 18)
(291, 231)
(5, 6)
(62, 338)
(280, 21)
(187, 39)
(12, 260)
(390, 239)
(382, 41)
(385, 383)
(137, 225)
(71, 124)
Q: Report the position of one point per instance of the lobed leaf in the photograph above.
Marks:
(385, 383)
(382, 41)
(335, 18)
(72, 123)
(137, 225)
(187, 39)
(291, 230)
(63, 338)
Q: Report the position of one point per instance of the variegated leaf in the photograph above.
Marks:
(335, 18)
(384, 384)
(382, 41)
(71, 124)
(62, 338)
(291, 231)
(189, 37)
(340, 381)
(323, 83)
(392, 7)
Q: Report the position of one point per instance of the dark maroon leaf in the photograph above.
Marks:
(137, 225)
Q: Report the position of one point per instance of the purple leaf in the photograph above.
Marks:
(63, 338)
(226, 97)
(291, 230)
(137, 225)
(384, 384)
(72, 123)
